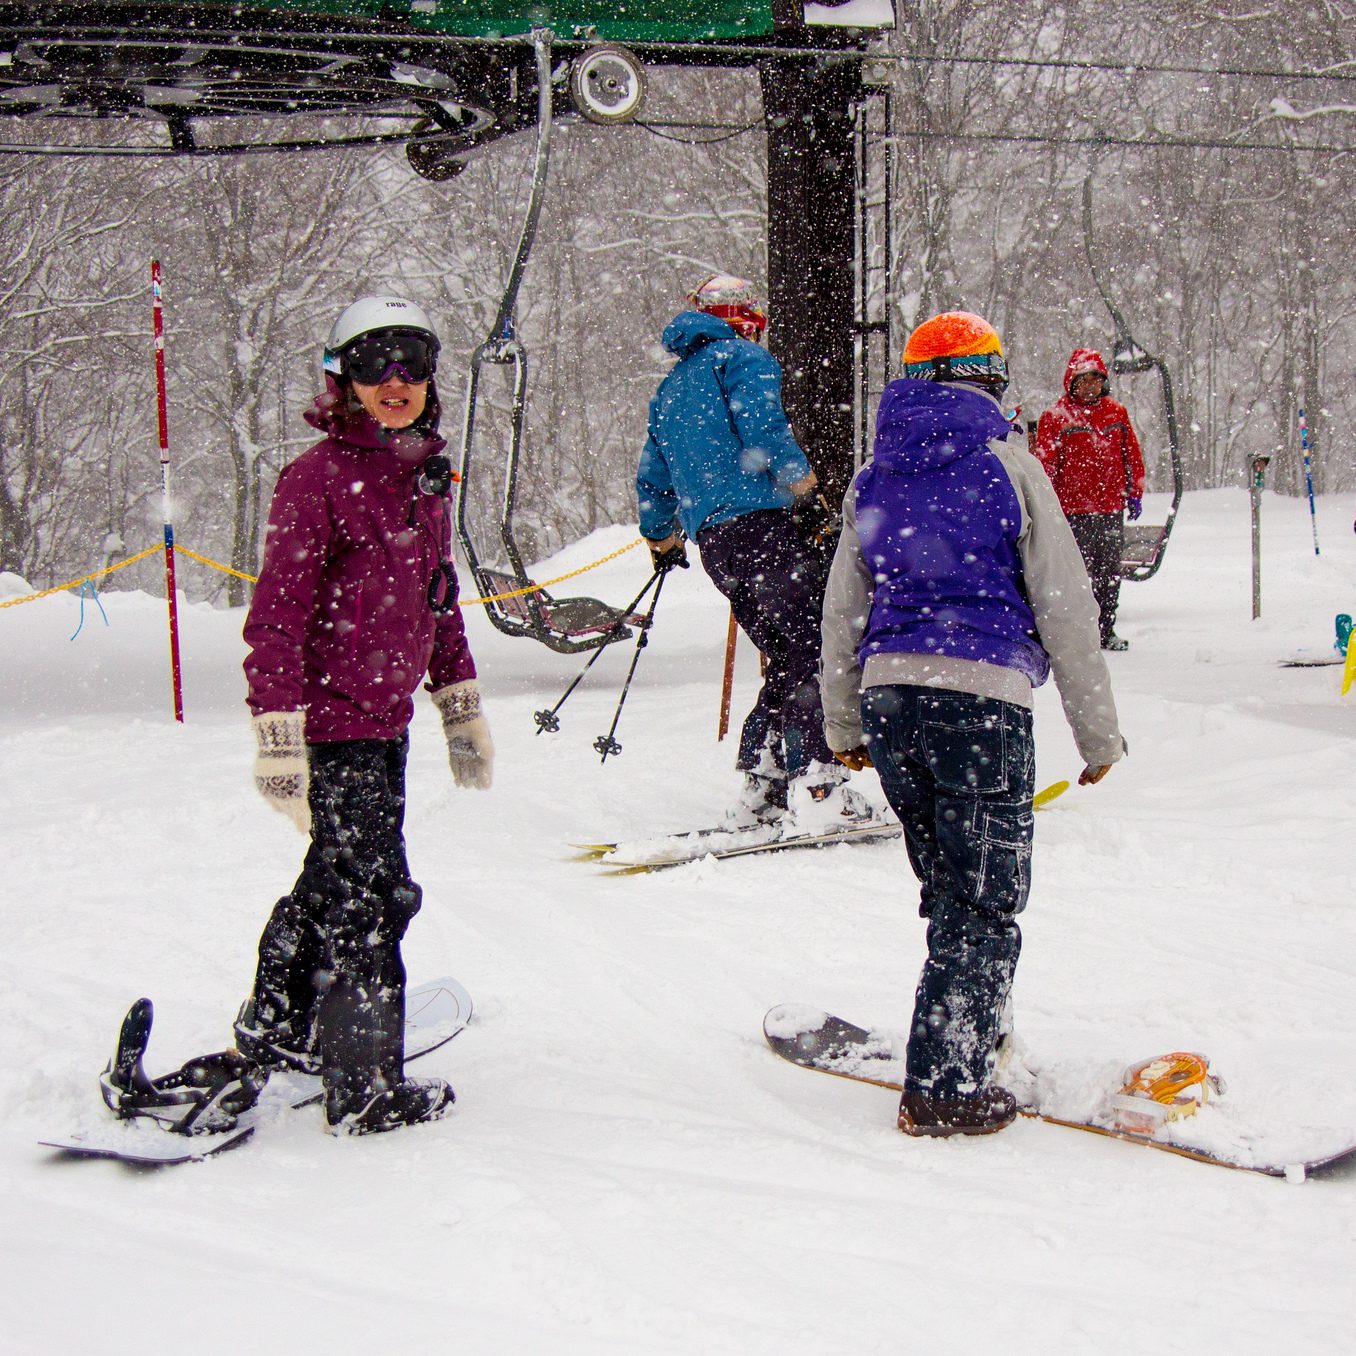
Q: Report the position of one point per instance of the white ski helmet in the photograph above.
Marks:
(370, 315)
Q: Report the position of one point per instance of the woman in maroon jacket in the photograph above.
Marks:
(355, 604)
(1089, 448)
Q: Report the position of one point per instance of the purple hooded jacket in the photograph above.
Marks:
(340, 625)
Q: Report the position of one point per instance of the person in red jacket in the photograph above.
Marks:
(1088, 446)
(354, 608)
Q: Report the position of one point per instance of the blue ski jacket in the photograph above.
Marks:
(939, 519)
(719, 444)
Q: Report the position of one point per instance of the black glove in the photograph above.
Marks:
(675, 558)
(816, 522)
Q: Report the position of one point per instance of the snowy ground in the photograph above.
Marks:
(628, 1168)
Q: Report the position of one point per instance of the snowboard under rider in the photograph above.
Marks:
(356, 604)
(721, 467)
(956, 589)
(1088, 446)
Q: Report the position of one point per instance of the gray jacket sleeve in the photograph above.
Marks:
(1066, 613)
(847, 605)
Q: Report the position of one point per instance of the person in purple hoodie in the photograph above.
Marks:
(956, 589)
(355, 606)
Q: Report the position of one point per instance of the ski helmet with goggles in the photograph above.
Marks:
(733, 300)
(957, 346)
(377, 335)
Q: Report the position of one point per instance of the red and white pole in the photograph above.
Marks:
(176, 674)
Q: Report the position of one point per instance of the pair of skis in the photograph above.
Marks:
(641, 856)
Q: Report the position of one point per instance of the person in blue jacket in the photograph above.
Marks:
(722, 468)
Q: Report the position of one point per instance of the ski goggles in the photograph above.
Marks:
(374, 358)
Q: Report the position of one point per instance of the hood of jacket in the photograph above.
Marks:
(687, 332)
(337, 414)
(922, 425)
(1080, 361)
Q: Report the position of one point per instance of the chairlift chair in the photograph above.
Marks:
(608, 87)
(1144, 544)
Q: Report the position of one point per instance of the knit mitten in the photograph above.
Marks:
(470, 750)
(280, 768)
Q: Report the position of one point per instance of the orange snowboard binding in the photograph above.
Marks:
(1163, 1089)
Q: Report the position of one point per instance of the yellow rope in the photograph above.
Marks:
(216, 564)
(253, 579)
(75, 583)
(559, 579)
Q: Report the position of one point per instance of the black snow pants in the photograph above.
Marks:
(776, 591)
(959, 772)
(329, 957)
(1101, 541)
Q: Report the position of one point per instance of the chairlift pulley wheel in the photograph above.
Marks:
(607, 84)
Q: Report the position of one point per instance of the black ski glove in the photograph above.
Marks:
(816, 522)
(675, 558)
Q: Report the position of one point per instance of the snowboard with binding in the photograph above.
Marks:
(435, 1012)
(1158, 1103)
(641, 856)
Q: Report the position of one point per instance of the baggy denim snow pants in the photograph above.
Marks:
(959, 772)
(776, 591)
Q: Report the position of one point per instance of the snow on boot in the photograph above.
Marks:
(372, 1110)
(204, 1096)
(275, 1046)
(982, 1113)
(820, 800)
(762, 800)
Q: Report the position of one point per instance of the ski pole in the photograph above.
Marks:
(176, 676)
(1308, 476)
(606, 744)
(547, 721)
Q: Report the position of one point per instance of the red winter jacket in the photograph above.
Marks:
(340, 625)
(1090, 451)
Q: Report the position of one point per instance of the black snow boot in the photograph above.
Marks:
(275, 1045)
(370, 1110)
(362, 1045)
(981, 1113)
(204, 1096)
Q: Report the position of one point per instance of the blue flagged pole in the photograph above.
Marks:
(1308, 476)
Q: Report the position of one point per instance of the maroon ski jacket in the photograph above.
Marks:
(340, 625)
(1090, 451)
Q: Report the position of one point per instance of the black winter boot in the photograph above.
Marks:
(362, 1045)
(981, 1113)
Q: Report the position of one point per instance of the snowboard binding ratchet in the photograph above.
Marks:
(1165, 1088)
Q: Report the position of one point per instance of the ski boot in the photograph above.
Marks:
(205, 1096)
(820, 801)
(1163, 1089)
(762, 800)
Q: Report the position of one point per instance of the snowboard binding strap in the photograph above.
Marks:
(1163, 1089)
